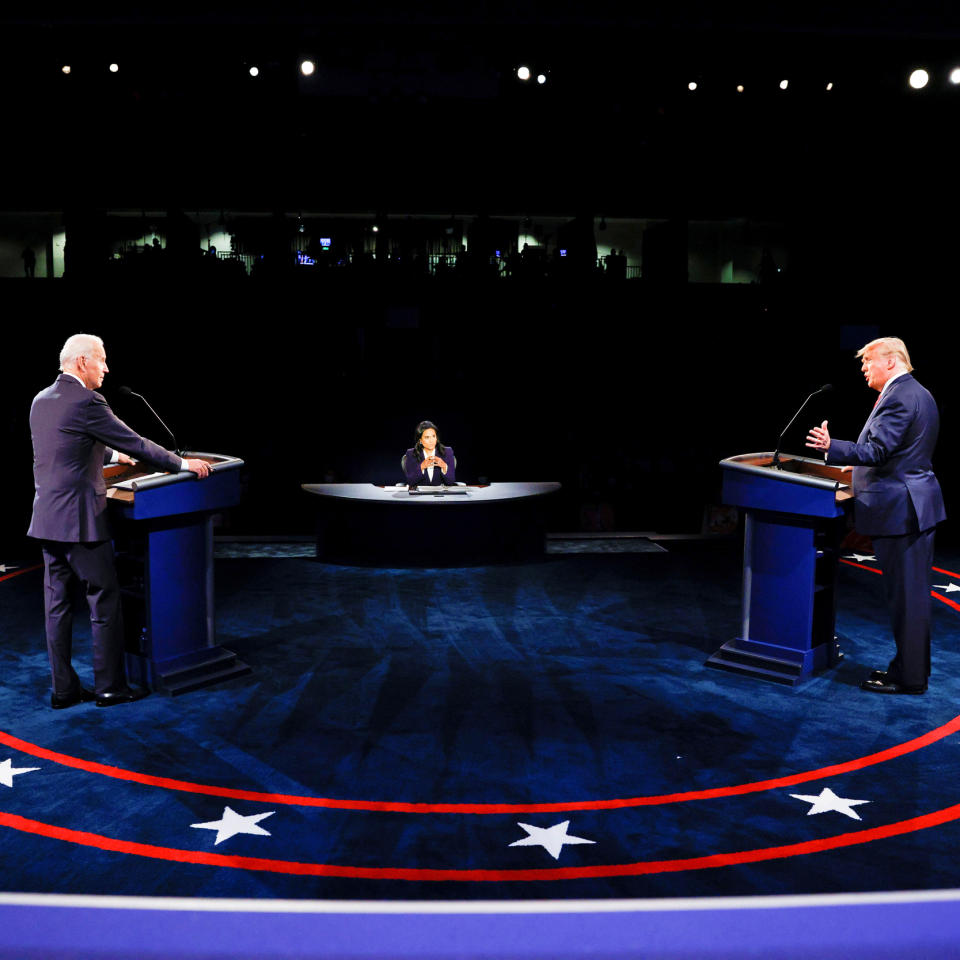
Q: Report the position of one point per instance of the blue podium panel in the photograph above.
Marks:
(216, 492)
(780, 566)
(177, 567)
(793, 525)
(164, 545)
(758, 492)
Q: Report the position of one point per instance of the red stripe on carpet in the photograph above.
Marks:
(899, 828)
(388, 806)
(933, 593)
(20, 573)
(861, 566)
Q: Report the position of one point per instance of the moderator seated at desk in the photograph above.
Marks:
(428, 462)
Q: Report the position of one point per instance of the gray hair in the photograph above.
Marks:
(887, 346)
(79, 345)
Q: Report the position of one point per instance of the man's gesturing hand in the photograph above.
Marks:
(819, 437)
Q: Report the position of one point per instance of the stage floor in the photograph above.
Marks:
(511, 732)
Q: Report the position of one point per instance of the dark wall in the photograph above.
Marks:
(628, 394)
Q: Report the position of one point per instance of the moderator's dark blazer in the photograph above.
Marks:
(891, 461)
(74, 433)
(416, 478)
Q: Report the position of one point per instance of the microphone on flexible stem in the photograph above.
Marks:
(775, 462)
(127, 392)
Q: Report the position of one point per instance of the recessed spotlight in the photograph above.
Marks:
(955, 76)
(784, 84)
(739, 88)
(541, 78)
(307, 67)
(692, 85)
(830, 85)
(919, 79)
(254, 71)
(114, 67)
(65, 68)
(523, 73)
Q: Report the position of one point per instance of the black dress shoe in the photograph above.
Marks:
(880, 675)
(62, 701)
(884, 686)
(121, 696)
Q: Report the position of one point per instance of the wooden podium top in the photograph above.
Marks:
(125, 479)
(795, 469)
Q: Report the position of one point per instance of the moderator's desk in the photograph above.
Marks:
(163, 533)
(361, 522)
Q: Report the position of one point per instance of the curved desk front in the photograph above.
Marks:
(364, 523)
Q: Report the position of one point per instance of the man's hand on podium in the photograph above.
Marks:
(200, 467)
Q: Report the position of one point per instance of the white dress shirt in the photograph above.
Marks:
(430, 469)
(883, 390)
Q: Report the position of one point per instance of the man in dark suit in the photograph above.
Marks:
(74, 434)
(897, 504)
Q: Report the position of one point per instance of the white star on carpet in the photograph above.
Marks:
(552, 839)
(232, 823)
(946, 587)
(5, 567)
(859, 557)
(8, 772)
(828, 802)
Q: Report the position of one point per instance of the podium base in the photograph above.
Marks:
(189, 672)
(761, 661)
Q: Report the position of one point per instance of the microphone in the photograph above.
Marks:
(127, 392)
(775, 463)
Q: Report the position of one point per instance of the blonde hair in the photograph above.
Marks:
(889, 346)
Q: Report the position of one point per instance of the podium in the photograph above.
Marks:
(794, 522)
(163, 526)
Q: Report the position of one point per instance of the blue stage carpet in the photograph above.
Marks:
(545, 730)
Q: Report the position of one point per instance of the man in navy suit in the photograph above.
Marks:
(897, 504)
(74, 434)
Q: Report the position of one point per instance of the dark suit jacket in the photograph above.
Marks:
(417, 478)
(893, 479)
(74, 431)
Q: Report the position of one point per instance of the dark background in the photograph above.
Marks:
(627, 393)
